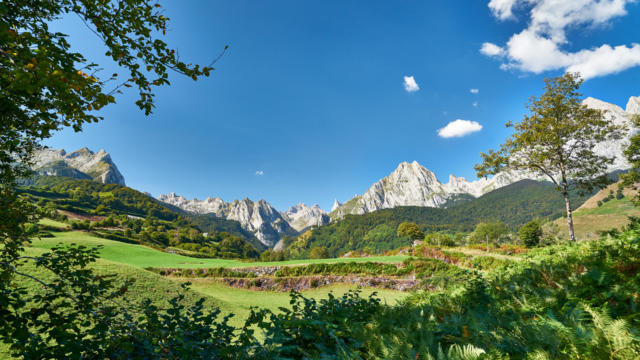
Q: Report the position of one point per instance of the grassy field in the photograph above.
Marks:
(143, 256)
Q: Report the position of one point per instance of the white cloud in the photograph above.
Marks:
(459, 128)
(474, 91)
(410, 84)
(259, 172)
(475, 104)
(502, 8)
(538, 48)
(491, 49)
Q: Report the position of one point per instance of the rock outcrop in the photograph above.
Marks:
(80, 164)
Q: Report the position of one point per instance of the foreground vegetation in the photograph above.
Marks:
(567, 301)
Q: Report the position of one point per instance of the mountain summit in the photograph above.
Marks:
(411, 184)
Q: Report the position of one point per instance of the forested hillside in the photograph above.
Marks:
(120, 213)
(514, 205)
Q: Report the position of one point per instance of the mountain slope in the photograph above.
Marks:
(604, 211)
(135, 217)
(258, 217)
(80, 164)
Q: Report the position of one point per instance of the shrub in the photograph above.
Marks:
(530, 233)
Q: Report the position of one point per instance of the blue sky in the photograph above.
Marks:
(310, 104)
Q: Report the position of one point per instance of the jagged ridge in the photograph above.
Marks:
(258, 217)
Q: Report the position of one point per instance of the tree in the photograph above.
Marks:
(439, 239)
(410, 230)
(530, 233)
(44, 87)
(556, 140)
(493, 231)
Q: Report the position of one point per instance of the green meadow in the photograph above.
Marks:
(143, 256)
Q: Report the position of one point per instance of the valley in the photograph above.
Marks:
(307, 201)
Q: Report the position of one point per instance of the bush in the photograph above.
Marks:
(410, 230)
(530, 233)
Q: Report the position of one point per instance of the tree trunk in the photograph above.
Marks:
(487, 237)
(567, 202)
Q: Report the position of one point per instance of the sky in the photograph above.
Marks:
(317, 100)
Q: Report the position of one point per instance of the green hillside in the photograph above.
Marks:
(514, 205)
(609, 209)
(120, 213)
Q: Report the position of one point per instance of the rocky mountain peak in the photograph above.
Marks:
(82, 164)
(633, 106)
(336, 204)
(301, 216)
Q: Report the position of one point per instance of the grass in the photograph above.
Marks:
(613, 206)
(589, 221)
(146, 285)
(239, 301)
(126, 261)
(143, 256)
(53, 223)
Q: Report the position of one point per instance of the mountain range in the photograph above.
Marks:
(410, 184)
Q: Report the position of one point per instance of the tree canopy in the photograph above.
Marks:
(46, 86)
